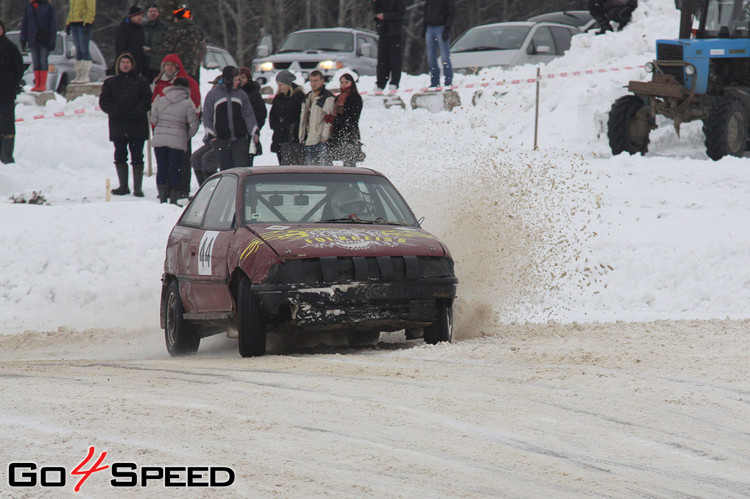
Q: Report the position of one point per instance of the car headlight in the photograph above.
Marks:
(264, 66)
(649, 67)
(690, 70)
(328, 65)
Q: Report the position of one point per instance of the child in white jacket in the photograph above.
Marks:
(175, 122)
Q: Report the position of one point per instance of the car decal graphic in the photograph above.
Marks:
(349, 238)
(204, 252)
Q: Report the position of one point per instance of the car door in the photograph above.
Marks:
(562, 36)
(208, 289)
(541, 48)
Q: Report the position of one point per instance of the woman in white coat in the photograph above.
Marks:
(175, 122)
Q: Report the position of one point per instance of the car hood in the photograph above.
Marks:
(483, 59)
(313, 55)
(320, 240)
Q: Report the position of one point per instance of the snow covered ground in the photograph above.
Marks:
(601, 344)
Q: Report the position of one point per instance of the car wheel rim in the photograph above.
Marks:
(171, 317)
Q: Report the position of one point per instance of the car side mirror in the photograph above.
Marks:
(276, 200)
(366, 50)
(543, 49)
(301, 200)
(263, 51)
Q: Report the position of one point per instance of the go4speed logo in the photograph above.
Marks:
(122, 474)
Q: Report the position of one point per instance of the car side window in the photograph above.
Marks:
(194, 213)
(374, 42)
(562, 39)
(222, 207)
(542, 38)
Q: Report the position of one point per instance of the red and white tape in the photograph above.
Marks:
(58, 114)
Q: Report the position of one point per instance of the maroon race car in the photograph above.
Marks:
(287, 248)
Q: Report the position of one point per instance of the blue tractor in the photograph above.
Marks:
(703, 75)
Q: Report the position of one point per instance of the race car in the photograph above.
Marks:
(284, 249)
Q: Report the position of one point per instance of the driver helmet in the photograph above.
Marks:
(347, 201)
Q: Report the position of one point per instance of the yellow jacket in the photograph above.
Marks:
(81, 11)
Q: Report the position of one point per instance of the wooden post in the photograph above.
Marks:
(108, 194)
(536, 116)
(148, 145)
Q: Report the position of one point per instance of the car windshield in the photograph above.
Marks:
(484, 38)
(332, 41)
(15, 37)
(323, 198)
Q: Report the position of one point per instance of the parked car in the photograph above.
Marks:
(510, 44)
(326, 50)
(61, 62)
(579, 18)
(217, 58)
(287, 249)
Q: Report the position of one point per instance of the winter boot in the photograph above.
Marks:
(85, 68)
(174, 195)
(7, 143)
(122, 175)
(137, 180)
(77, 79)
(163, 191)
(200, 177)
(40, 81)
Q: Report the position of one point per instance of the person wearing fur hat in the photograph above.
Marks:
(126, 99)
(131, 38)
(39, 32)
(79, 24)
(11, 72)
(154, 29)
(229, 120)
(175, 122)
(285, 112)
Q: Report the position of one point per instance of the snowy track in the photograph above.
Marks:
(621, 409)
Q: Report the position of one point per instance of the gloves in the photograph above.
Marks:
(208, 138)
(328, 118)
(446, 33)
(67, 29)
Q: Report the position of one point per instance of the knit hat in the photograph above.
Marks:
(182, 13)
(228, 74)
(286, 77)
(134, 11)
(181, 82)
(151, 5)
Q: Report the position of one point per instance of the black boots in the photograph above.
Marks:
(7, 143)
(163, 192)
(137, 180)
(174, 195)
(122, 175)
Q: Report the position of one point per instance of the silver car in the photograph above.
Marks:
(326, 50)
(61, 62)
(510, 44)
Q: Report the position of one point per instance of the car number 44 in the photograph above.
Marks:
(204, 252)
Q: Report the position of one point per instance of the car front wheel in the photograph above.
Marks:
(180, 335)
(442, 329)
(251, 323)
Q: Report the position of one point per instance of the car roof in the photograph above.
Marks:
(572, 17)
(339, 170)
(521, 24)
(339, 29)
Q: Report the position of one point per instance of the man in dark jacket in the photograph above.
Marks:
(11, 71)
(126, 98)
(606, 11)
(131, 38)
(389, 19)
(154, 29)
(285, 113)
(229, 120)
(438, 19)
(186, 40)
(39, 31)
(252, 89)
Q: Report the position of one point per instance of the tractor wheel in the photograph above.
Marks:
(725, 129)
(628, 125)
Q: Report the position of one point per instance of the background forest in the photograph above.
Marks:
(238, 24)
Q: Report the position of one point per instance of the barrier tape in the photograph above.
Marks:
(486, 84)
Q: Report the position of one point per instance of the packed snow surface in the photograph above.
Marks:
(601, 342)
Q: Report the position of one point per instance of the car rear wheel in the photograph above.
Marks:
(251, 323)
(179, 334)
(442, 329)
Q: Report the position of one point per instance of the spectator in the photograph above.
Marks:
(345, 143)
(130, 38)
(11, 72)
(607, 11)
(175, 122)
(315, 121)
(79, 24)
(229, 120)
(389, 16)
(186, 40)
(39, 31)
(154, 29)
(252, 89)
(285, 113)
(204, 162)
(126, 98)
(438, 19)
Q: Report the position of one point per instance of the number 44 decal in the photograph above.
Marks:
(204, 252)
